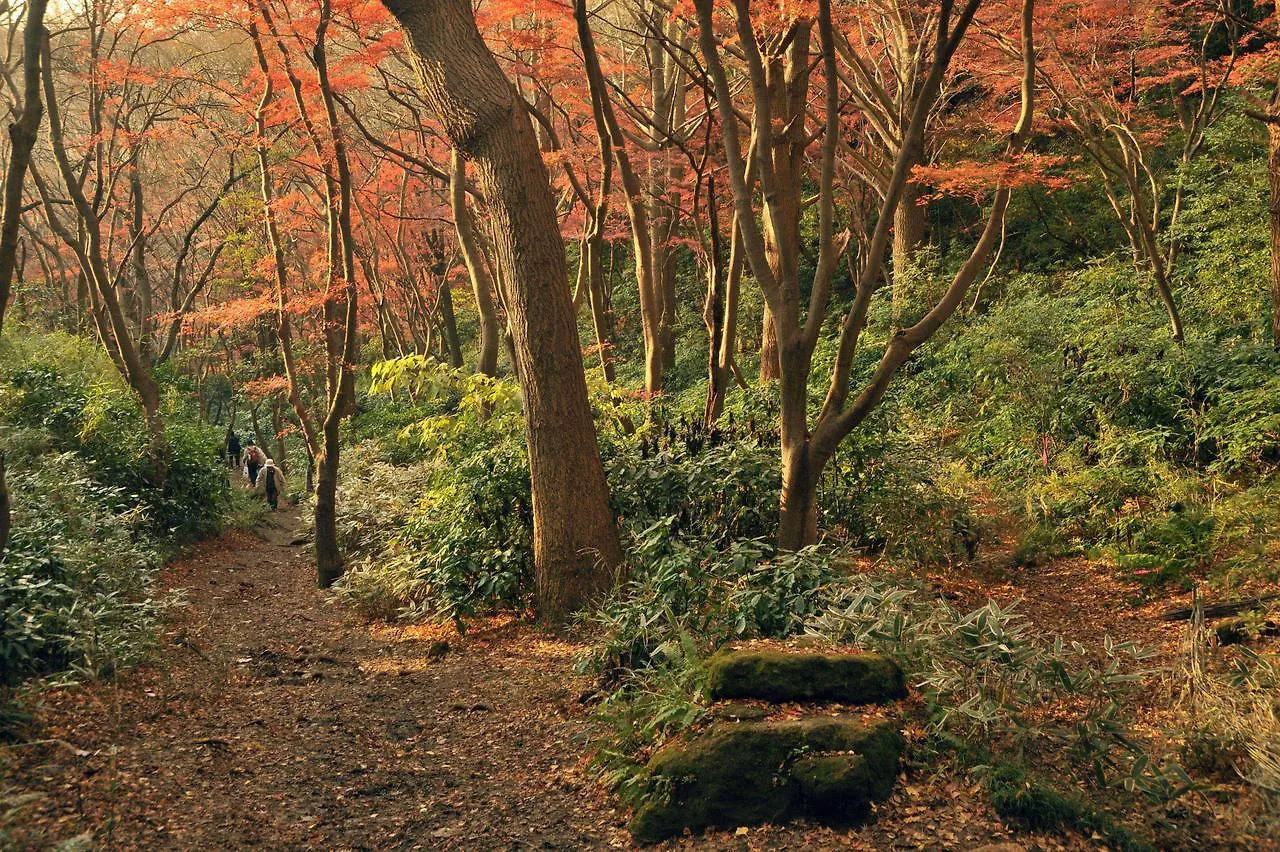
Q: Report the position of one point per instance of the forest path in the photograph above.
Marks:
(272, 718)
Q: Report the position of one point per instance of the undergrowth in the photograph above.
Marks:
(89, 534)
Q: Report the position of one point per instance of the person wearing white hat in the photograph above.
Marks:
(271, 483)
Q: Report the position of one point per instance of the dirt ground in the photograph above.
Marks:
(273, 718)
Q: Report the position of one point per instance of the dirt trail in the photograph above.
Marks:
(273, 718)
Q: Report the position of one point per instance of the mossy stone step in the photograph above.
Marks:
(747, 773)
(780, 676)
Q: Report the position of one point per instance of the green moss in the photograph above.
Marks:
(835, 787)
(781, 676)
(742, 774)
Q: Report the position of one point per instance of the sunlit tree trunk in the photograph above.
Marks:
(576, 550)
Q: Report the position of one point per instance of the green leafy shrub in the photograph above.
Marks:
(89, 532)
(75, 579)
(683, 587)
(439, 520)
(81, 404)
(1174, 549)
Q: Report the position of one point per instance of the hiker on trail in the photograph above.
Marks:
(271, 483)
(252, 460)
(233, 447)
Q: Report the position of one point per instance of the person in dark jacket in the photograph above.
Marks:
(233, 447)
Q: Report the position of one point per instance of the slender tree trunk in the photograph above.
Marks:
(576, 550)
(601, 314)
(1159, 275)
(908, 233)
(472, 255)
(277, 426)
(255, 423)
(1273, 174)
(6, 508)
(141, 280)
(664, 284)
(713, 314)
(340, 308)
(329, 562)
(453, 346)
(113, 326)
(22, 139)
(644, 253)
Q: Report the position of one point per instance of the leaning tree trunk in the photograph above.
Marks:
(576, 550)
(22, 139)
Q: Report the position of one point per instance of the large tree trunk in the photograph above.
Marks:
(22, 139)
(576, 550)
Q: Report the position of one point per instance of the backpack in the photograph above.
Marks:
(256, 456)
(271, 478)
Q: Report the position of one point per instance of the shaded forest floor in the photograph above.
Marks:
(274, 718)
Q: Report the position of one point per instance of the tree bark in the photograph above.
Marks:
(908, 233)
(22, 139)
(769, 368)
(576, 550)
(713, 312)
(453, 346)
(472, 256)
(1273, 175)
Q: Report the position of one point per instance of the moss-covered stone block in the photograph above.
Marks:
(780, 676)
(749, 773)
(834, 786)
(740, 711)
